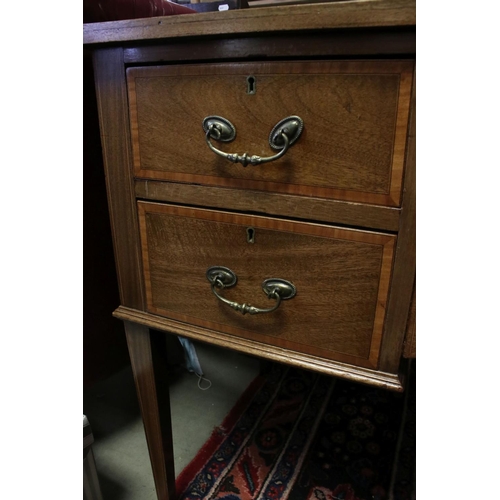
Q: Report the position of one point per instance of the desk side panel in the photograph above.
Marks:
(403, 275)
(115, 137)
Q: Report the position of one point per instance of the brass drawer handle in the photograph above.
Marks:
(282, 136)
(274, 288)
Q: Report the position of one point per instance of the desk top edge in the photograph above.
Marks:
(255, 21)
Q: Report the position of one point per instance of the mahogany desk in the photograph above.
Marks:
(260, 170)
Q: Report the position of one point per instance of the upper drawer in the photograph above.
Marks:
(352, 146)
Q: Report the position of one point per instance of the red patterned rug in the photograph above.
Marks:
(298, 435)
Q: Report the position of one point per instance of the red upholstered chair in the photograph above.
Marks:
(95, 11)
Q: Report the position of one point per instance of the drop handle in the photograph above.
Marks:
(275, 288)
(283, 135)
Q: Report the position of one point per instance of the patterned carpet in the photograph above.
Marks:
(298, 435)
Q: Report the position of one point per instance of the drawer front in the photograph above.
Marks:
(352, 145)
(341, 279)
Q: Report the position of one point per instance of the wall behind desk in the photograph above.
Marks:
(104, 345)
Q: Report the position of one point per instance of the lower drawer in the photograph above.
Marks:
(340, 278)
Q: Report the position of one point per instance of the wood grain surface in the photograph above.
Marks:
(151, 381)
(327, 16)
(391, 381)
(410, 344)
(342, 278)
(115, 139)
(352, 147)
(354, 286)
(369, 42)
(299, 207)
(405, 259)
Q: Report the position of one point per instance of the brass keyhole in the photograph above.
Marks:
(250, 235)
(251, 85)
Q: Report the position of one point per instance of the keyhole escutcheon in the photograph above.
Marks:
(251, 85)
(250, 235)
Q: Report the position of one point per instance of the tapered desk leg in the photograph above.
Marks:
(150, 375)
